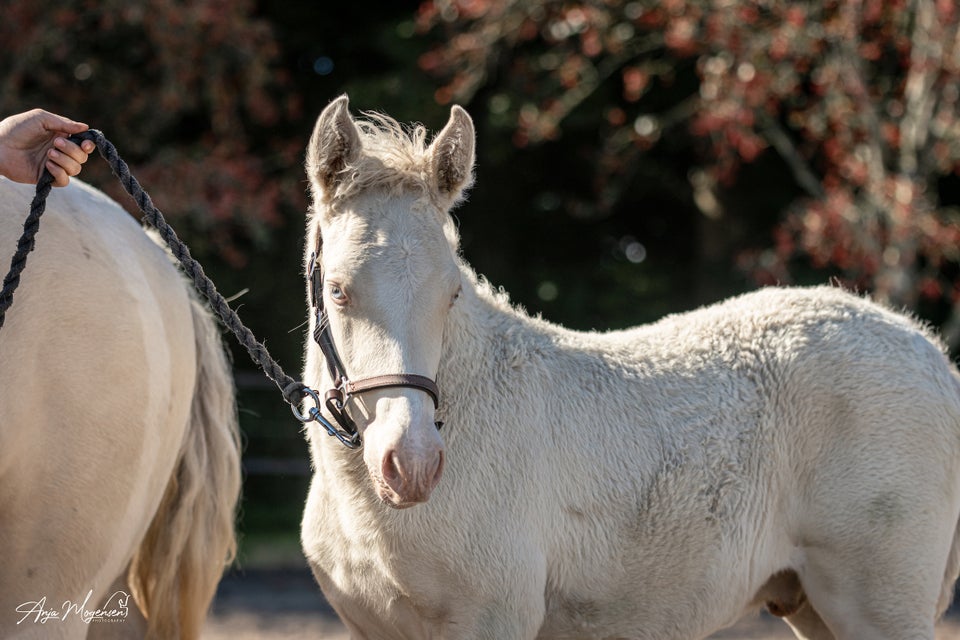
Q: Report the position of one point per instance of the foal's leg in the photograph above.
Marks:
(879, 515)
(887, 591)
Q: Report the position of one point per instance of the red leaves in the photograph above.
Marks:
(795, 16)
(590, 43)
(823, 84)
(181, 89)
(432, 61)
(635, 82)
(681, 37)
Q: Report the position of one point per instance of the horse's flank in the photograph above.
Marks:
(117, 423)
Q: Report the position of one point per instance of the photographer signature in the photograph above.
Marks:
(116, 607)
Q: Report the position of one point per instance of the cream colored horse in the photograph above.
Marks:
(798, 448)
(119, 458)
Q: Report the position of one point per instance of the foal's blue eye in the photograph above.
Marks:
(337, 294)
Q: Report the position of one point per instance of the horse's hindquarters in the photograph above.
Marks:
(97, 373)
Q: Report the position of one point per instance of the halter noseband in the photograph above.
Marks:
(336, 398)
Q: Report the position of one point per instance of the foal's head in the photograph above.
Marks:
(381, 198)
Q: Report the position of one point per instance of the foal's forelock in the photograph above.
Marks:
(394, 159)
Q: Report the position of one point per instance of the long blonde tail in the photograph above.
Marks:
(175, 572)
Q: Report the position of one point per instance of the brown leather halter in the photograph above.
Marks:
(336, 398)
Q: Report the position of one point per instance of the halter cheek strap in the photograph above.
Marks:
(336, 398)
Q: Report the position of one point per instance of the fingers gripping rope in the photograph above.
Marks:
(293, 391)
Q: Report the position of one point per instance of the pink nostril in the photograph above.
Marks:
(438, 470)
(391, 470)
(411, 480)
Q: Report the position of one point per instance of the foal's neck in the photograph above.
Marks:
(487, 345)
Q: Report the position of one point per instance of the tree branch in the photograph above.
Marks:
(781, 141)
(919, 99)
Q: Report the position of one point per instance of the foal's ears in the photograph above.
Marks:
(335, 143)
(453, 155)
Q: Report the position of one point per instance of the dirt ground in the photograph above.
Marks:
(285, 604)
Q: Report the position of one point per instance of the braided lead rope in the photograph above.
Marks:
(293, 391)
(26, 243)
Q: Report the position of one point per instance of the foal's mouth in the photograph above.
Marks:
(391, 498)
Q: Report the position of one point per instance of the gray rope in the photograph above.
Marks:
(293, 390)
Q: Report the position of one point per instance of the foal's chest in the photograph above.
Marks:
(380, 584)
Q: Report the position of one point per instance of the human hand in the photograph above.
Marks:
(36, 140)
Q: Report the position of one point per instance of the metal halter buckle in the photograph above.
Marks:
(351, 441)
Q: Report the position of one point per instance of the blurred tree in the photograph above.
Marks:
(857, 99)
(182, 89)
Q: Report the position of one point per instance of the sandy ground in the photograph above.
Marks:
(270, 604)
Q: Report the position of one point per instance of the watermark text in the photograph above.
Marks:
(115, 608)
